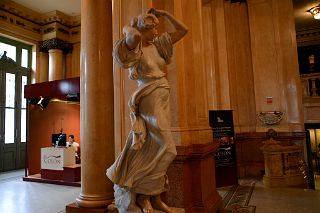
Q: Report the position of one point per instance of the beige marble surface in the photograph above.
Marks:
(97, 144)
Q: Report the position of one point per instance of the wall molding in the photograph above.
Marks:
(48, 25)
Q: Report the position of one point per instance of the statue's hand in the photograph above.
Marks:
(157, 13)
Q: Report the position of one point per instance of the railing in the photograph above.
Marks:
(310, 84)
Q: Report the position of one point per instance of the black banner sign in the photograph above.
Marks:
(222, 123)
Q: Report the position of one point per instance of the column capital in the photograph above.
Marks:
(55, 43)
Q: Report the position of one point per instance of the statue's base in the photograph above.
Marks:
(113, 209)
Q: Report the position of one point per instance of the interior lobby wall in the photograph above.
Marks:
(51, 120)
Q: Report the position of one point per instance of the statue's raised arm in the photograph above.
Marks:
(180, 29)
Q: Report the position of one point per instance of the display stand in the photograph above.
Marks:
(282, 165)
(53, 161)
(225, 157)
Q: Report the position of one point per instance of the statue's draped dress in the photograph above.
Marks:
(141, 166)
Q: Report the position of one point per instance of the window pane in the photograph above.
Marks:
(23, 100)
(10, 89)
(313, 140)
(23, 125)
(318, 140)
(9, 126)
(11, 50)
(24, 58)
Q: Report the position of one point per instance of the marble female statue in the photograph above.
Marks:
(139, 172)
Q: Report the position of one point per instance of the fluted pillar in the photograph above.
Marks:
(44, 67)
(275, 62)
(96, 114)
(55, 64)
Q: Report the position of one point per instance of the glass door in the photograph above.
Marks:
(14, 72)
(313, 150)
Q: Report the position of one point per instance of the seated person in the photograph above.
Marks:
(72, 143)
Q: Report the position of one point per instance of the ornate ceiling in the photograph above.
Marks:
(48, 11)
(68, 7)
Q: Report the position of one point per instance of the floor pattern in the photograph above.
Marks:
(236, 198)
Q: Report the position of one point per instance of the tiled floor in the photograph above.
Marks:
(17, 196)
(285, 200)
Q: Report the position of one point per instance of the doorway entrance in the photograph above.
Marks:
(15, 63)
(313, 149)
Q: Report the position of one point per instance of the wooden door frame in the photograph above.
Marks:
(8, 65)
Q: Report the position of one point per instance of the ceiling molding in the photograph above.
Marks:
(37, 18)
(40, 27)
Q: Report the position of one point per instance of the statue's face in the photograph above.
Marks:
(151, 34)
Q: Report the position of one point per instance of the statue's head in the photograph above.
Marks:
(145, 22)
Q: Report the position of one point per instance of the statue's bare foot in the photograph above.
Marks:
(157, 203)
(145, 204)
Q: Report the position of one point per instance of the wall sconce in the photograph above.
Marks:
(43, 102)
(40, 101)
(315, 11)
(270, 117)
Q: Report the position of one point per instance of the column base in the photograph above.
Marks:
(94, 202)
(74, 208)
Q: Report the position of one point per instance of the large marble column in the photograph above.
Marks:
(96, 113)
(44, 67)
(275, 62)
(55, 64)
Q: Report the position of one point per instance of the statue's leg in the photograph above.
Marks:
(162, 167)
(144, 202)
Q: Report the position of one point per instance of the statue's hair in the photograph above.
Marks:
(144, 22)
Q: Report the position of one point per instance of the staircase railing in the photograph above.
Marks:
(310, 85)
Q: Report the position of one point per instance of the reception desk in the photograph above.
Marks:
(56, 158)
(53, 161)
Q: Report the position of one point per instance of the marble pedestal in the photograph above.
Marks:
(112, 209)
(282, 164)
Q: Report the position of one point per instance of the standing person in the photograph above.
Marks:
(139, 172)
(72, 143)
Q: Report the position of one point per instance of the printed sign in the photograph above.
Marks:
(222, 123)
(56, 158)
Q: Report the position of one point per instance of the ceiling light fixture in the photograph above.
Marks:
(315, 11)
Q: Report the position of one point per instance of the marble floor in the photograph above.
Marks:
(284, 200)
(18, 196)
